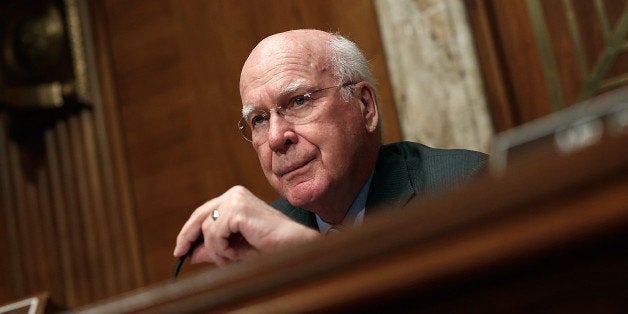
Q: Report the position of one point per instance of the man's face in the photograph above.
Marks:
(306, 163)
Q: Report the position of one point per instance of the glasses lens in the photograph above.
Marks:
(245, 130)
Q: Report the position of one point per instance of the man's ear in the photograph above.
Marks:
(368, 106)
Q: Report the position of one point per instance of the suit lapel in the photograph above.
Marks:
(392, 187)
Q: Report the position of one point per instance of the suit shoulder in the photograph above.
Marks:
(412, 150)
(435, 166)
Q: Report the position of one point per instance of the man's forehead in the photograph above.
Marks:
(302, 42)
(303, 50)
(281, 65)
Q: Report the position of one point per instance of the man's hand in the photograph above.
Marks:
(246, 226)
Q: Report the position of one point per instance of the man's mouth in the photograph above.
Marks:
(295, 167)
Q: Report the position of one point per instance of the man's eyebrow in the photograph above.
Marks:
(292, 87)
(246, 109)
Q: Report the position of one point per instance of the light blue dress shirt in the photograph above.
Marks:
(355, 214)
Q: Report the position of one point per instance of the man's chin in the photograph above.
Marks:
(299, 199)
(302, 195)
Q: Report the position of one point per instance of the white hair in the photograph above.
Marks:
(348, 63)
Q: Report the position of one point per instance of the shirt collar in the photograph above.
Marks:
(355, 214)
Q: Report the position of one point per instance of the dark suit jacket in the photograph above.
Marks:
(405, 170)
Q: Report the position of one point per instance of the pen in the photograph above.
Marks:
(177, 267)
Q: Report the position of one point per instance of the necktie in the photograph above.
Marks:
(336, 229)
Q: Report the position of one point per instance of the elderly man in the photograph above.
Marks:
(310, 111)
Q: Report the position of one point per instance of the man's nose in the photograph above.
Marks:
(280, 132)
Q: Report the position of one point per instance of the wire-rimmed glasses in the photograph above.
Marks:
(297, 111)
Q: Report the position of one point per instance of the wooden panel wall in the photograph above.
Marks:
(540, 56)
(68, 227)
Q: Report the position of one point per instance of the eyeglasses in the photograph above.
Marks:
(296, 111)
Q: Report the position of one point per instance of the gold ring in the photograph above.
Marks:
(215, 215)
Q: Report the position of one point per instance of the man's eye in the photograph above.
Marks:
(257, 119)
(299, 101)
